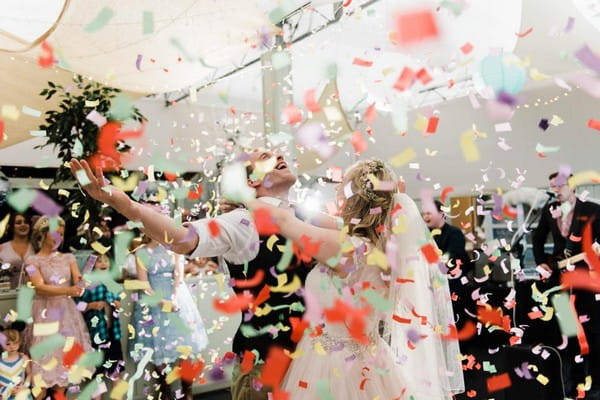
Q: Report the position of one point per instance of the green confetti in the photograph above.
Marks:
(323, 390)
(121, 108)
(277, 15)
(286, 256)
(279, 138)
(378, 302)
(24, 298)
(148, 22)
(100, 21)
(47, 346)
(121, 246)
(82, 177)
(88, 391)
(249, 331)
(105, 278)
(179, 323)
(180, 193)
(77, 148)
(567, 320)
(489, 367)
(153, 299)
(91, 359)
(38, 133)
(21, 199)
(331, 72)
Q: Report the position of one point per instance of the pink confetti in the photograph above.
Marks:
(376, 210)
(45, 205)
(292, 114)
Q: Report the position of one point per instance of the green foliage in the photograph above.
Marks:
(72, 135)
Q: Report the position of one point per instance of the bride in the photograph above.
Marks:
(380, 314)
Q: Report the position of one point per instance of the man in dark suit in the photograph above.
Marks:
(565, 219)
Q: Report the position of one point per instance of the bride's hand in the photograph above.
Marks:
(96, 186)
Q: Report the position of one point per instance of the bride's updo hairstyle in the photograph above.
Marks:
(366, 211)
(40, 230)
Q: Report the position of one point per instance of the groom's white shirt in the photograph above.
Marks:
(237, 240)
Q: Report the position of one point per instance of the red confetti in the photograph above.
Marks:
(264, 222)
(370, 114)
(527, 32)
(263, 296)
(405, 80)
(466, 48)
(471, 393)
(594, 124)
(59, 396)
(170, 176)
(416, 26)
(195, 194)
(108, 157)
(347, 3)
(46, 60)
(591, 257)
(467, 331)
(432, 125)
(430, 253)
(498, 382)
(581, 279)
(302, 384)
(254, 281)
(232, 305)
(358, 142)
(424, 76)
(298, 328)
(189, 371)
(509, 212)
(401, 320)
(361, 62)
(445, 191)
(490, 316)
(247, 362)
(275, 367)
(71, 356)
(310, 101)
(352, 318)
(1, 131)
(292, 114)
(213, 228)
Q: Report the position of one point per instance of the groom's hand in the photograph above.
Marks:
(96, 187)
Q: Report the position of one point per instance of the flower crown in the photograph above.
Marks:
(371, 167)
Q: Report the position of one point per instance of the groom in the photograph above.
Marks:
(251, 259)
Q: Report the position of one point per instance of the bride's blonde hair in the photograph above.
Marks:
(40, 230)
(366, 198)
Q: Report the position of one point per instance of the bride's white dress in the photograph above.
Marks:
(333, 362)
(330, 364)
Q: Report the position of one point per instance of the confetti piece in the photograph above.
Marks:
(370, 114)
(233, 305)
(264, 222)
(403, 158)
(378, 258)
(537, 75)
(11, 112)
(415, 26)
(30, 111)
(445, 192)
(556, 120)
(190, 371)
(47, 346)
(292, 114)
(21, 199)
(588, 58)
(468, 146)
(543, 124)
(323, 390)
(46, 59)
(430, 253)
(147, 22)
(405, 80)
(234, 184)
(275, 367)
(213, 228)
(466, 48)
(45, 328)
(25, 296)
(1, 130)
(121, 108)
(432, 125)
(362, 63)
(3, 224)
(135, 284)
(498, 382)
(96, 118)
(100, 20)
(594, 124)
(527, 32)
(252, 282)
(567, 318)
(540, 148)
(358, 142)
(503, 127)
(310, 101)
(138, 62)
(70, 357)
(423, 76)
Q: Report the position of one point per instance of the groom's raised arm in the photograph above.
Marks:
(156, 225)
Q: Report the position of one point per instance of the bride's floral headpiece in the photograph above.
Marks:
(371, 167)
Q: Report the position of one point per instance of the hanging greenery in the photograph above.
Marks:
(73, 130)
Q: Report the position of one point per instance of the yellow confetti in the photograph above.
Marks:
(468, 146)
(93, 103)
(262, 311)
(297, 354)
(542, 379)
(127, 185)
(289, 288)
(50, 365)
(10, 112)
(436, 231)
(486, 269)
(537, 75)
(131, 330)
(387, 71)
(99, 248)
(45, 328)
(63, 192)
(172, 376)
(548, 315)
(584, 177)
(220, 279)
(185, 351)
(44, 185)
(3, 224)
(400, 226)
(377, 257)
(404, 157)
(319, 349)
(421, 123)
(119, 390)
(69, 342)
(167, 306)
(272, 240)
(136, 284)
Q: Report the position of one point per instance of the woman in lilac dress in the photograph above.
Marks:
(55, 278)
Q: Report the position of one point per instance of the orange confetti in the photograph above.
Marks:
(247, 362)
(232, 305)
(424, 76)
(416, 26)
(188, 371)
(310, 101)
(46, 59)
(71, 356)
(298, 328)
(498, 382)
(248, 283)
(509, 212)
(358, 142)
(170, 176)
(445, 191)
(591, 257)
(594, 124)
(466, 48)
(264, 222)
(108, 157)
(263, 296)
(527, 32)
(303, 384)
(275, 367)
(432, 125)
(195, 194)
(362, 63)
(430, 253)
(213, 228)
(292, 114)
(405, 80)
(490, 316)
